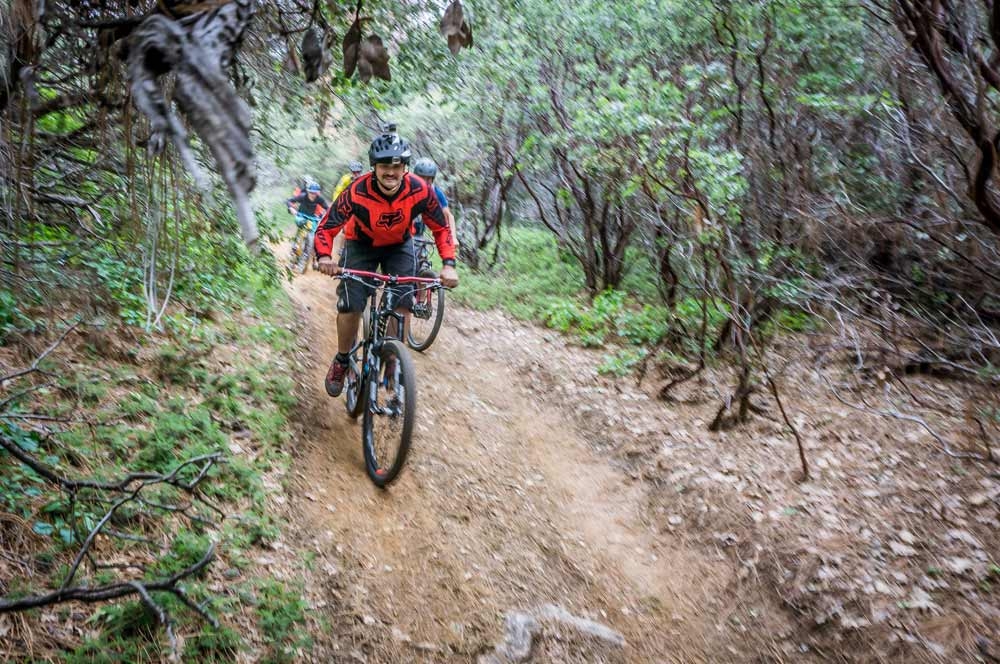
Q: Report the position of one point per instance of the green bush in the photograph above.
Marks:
(12, 316)
(282, 610)
(531, 276)
(623, 362)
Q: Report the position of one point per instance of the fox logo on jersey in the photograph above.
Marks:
(389, 219)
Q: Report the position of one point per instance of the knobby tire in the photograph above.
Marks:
(420, 339)
(386, 437)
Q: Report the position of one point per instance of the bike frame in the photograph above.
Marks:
(379, 325)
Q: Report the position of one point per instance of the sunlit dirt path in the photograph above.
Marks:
(503, 507)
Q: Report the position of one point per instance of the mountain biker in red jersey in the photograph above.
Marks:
(376, 214)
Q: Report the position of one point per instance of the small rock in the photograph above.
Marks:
(901, 549)
(959, 565)
(884, 588)
(921, 600)
(726, 539)
(977, 499)
(964, 536)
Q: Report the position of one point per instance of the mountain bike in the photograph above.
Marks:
(381, 383)
(428, 303)
(302, 244)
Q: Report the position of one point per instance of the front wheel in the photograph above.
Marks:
(356, 394)
(426, 316)
(305, 254)
(387, 425)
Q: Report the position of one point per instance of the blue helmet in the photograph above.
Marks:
(312, 187)
(425, 168)
(355, 167)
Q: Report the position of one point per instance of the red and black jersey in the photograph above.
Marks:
(366, 214)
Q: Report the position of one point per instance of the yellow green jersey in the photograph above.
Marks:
(344, 183)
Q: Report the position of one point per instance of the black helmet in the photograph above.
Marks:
(425, 168)
(389, 148)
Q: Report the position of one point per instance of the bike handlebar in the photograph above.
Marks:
(387, 278)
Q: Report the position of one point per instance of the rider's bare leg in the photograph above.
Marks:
(347, 331)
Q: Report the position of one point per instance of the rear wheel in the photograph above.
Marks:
(387, 425)
(427, 314)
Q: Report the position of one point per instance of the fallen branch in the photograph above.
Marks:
(161, 615)
(907, 418)
(45, 353)
(131, 485)
(788, 423)
(103, 593)
(664, 392)
(521, 628)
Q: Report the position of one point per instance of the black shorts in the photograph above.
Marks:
(397, 259)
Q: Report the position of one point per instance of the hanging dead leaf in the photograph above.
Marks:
(364, 70)
(373, 60)
(312, 55)
(351, 46)
(455, 28)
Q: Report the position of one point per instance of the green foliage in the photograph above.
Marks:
(190, 406)
(532, 282)
(530, 278)
(612, 313)
(137, 406)
(19, 481)
(12, 316)
(794, 320)
(121, 279)
(185, 550)
(176, 434)
(623, 362)
(211, 645)
(282, 611)
(129, 633)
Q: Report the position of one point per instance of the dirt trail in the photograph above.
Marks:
(503, 506)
